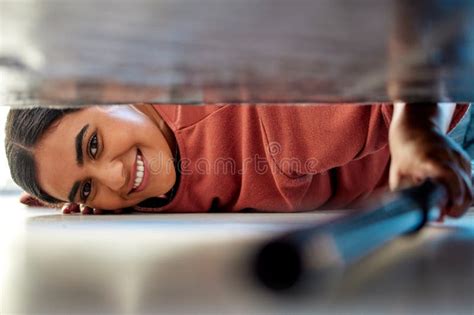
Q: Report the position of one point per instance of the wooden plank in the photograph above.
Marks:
(185, 51)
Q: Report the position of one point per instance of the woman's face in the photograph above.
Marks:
(92, 157)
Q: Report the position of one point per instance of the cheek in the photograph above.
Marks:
(111, 202)
(138, 135)
(119, 139)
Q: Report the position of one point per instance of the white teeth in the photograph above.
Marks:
(139, 172)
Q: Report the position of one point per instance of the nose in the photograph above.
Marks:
(111, 174)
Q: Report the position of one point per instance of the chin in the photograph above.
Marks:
(170, 181)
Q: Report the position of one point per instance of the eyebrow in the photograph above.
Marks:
(79, 140)
(79, 160)
(73, 192)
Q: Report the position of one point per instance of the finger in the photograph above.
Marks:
(406, 182)
(464, 160)
(456, 187)
(398, 181)
(66, 209)
(460, 210)
(470, 191)
(70, 208)
(86, 210)
(25, 197)
(30, 201)
(465, 206)
(75, 208)
(394, 177)
(450, 176)
(417, 180)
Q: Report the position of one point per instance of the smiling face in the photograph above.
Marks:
(105, 157)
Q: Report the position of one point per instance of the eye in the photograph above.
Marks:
(86, 191)
(93, 146)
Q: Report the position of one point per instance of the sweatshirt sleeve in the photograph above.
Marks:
(327, 136)
(304, 139)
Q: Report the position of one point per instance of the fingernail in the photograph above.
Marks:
(87, 211)
(74, 207)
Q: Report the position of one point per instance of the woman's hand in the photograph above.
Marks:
(31, 201)
(420, 150)
(70, 208)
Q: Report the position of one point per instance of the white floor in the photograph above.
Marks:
(134, 264)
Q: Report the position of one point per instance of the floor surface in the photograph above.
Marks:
(199, 264)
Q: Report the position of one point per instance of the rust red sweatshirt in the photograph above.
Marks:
(278, 158)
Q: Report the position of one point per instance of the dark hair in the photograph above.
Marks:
(24, 128)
